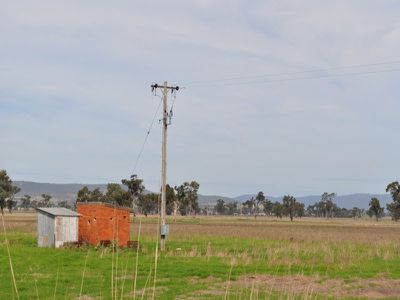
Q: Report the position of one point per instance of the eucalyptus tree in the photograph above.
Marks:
(46, 200)
(277, 209)
(7, 191)
(220, 207)
(187, 196)
(258, 201)
(375, 208)
(26, 202)
(394, 208)
(289, 205)
(327, 200)
(135, 188)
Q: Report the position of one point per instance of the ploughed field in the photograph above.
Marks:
(211, 258)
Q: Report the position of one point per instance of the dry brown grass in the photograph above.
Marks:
(306, 229)
(306, 286)
(24, 222)
(303, 244)
(338, 288)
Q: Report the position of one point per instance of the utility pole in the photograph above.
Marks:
(166, 121)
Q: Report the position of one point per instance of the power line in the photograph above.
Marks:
(229, 81)
(217, 84)
(146, 137)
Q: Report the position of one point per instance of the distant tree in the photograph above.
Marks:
(11, 203)
(26, 202)
(46, 200)
(85, 195)
(311, 210)
(64, 204)
(181, 201)
(232, 208)
(267, 207)
(337, 210)
(205, 210)
(172, 201)
(394, 189)
(188, 198)
(35, 203)
(259, 200)
(289, 205)
(249, 206)
(193, 197)
(135, 188)
(148, 204)
(277, 209)
(375, 208)
(299, 209)
(117, 195)
(321, 209)
(327, 201)
(7, 191)
(97, 196)
(220, 207)
(356, 212)
(394, 208)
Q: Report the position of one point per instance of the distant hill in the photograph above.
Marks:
(57, 191)
(212, 199)
(69, 191)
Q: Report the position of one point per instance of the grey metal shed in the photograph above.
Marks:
(56, 226)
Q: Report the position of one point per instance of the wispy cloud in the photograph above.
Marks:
(75, 101)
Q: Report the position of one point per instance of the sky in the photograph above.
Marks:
(75, 98)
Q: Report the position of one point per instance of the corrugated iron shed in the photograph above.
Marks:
(56, 226)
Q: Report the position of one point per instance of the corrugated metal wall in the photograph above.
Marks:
(55, 231)
(45, 230)
(66, 230)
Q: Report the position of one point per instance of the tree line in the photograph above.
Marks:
(260, 205)
(183, 200)
(292, 208)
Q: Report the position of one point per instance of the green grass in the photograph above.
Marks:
(197, 266)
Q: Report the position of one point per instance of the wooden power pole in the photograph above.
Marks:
(164, 229)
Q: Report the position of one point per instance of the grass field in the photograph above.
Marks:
(212, 258)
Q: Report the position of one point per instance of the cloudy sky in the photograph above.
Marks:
(75, 101)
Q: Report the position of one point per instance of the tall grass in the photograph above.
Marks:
(209, 258)
(137, 259)
(15, 289)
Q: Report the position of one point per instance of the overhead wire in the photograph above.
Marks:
(146, 136)
(171, 110)
(265, 77)
(292, 79)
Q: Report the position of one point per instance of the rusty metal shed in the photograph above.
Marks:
(56, 226)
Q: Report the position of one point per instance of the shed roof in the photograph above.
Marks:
(58, 211)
